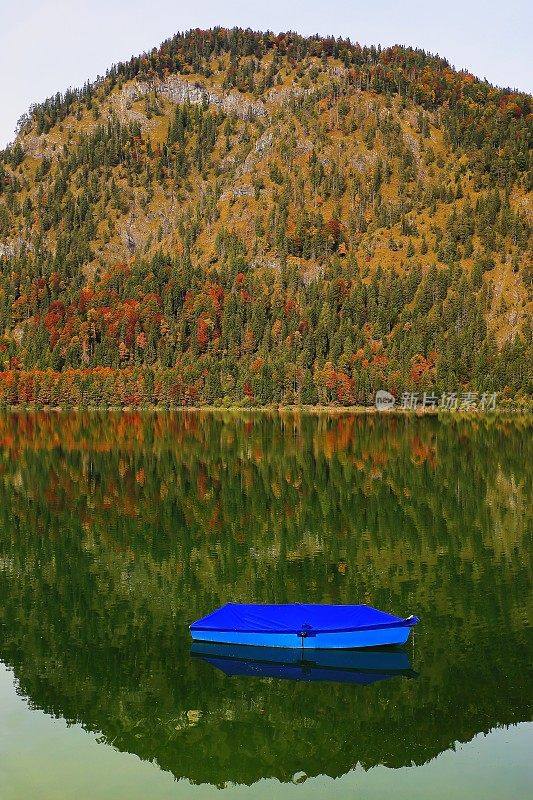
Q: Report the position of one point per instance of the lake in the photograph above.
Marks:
(119, 529)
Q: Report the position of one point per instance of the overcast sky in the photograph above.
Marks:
(48, 45)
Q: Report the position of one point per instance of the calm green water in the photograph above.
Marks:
(116, 531)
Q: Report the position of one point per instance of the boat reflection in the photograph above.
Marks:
(337, 666)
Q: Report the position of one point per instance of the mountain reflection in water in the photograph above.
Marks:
(118, 530)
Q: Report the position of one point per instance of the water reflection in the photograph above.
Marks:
(336, 666)
(116, 531)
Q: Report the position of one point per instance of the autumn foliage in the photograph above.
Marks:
(316, 220)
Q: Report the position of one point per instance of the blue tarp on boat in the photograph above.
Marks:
(297, 617)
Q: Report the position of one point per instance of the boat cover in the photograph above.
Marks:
(300, 618)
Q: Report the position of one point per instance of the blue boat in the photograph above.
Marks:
(302, 625)
(338, 666)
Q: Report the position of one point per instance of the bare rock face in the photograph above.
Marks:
(237, 191)
(364, 161)
(178, 90)
(38, 146)
(130, 241)
(261, 147)
(264, 143)
(265, 263)
(175, 89)
(280, 95)
(9, 249)
(304, 146)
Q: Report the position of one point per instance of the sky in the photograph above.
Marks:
(48, 45)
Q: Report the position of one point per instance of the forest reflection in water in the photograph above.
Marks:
(117, 530)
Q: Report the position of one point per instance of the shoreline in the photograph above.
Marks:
(274, 409)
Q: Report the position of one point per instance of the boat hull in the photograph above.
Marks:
(346, 640)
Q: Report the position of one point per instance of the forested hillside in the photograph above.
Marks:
(240, 217)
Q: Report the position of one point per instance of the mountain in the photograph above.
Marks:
(241, 217)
